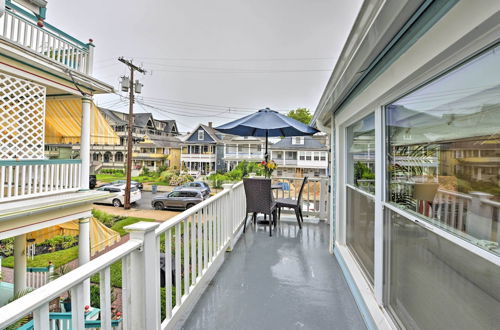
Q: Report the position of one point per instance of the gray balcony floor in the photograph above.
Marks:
(288, 281)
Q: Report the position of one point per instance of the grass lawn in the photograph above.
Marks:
(118, 226)
(109, 177)
(58, 258)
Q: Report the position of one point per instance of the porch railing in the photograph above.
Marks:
(30, 178)
(315, 196)
(458, 211)
(193, 244)
(20, 27)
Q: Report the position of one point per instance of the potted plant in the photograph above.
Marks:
(268, 168)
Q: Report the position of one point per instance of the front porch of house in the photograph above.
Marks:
(215, 275)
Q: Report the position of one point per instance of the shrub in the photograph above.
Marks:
(7, 247)
(111, 171)
(107, 219)
(145, 171)
(95, 296)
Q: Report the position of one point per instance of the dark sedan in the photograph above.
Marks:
(179, 199)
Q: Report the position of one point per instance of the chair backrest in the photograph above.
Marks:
(258, 195)
(299, 198)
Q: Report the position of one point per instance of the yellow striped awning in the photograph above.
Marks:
(100, 235)
(63, 119)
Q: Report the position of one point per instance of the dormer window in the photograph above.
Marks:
(201, 134)
(298, 140)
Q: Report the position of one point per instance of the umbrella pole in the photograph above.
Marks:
(267, 137)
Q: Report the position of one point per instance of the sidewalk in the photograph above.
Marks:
(159, 216)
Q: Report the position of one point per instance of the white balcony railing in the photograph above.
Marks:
(315, 196)
(20, 27)
(31, 178)
(194, 244)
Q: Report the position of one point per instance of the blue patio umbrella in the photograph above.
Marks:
(266, 122)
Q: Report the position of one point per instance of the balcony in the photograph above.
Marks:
(216, 276)
(19, 27)
(34, 178)
(198, 158)
(144, 155)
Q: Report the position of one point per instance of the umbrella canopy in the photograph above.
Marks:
(267, 122)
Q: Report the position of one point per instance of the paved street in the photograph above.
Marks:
(142, 209)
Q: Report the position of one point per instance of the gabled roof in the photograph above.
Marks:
(170, 127)
(111, 114)
(142, 119)
(310, 143)
(214, 135)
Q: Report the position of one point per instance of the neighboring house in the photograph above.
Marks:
(203, 151)
(242, 148)
(154, 142)
(36, 82)
(300, 156)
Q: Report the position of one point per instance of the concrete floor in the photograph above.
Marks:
(288, 281)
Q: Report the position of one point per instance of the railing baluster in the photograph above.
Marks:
(210, 240)
(30, 178)
(206, 218)
(178, 283)
(105, 293)
(126, 292)
(41, 318)
(200, 243)
(77, 307)
(168, 273)
(16, 181)
(9, 181)
(460, 219)
(186, 256)
(193, 248)
(2, 181)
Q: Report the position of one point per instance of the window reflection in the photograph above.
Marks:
(444, 151)
(361, 154)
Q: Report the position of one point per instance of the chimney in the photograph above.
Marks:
(210, 124)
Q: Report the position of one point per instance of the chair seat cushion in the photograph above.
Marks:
(286, 202)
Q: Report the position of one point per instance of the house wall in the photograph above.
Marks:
(384, 235)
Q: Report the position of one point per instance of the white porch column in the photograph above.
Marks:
(85, 142)
(19, 263)
(84, 254)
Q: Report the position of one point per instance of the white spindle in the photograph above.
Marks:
(52, 176)
(16, 181)
(178, 284)
(126, 293)
(41, 317)
(105, 292)
(206, 218)
(30, 178)
(210, 238)
(2, 181)
(193, 248)
(77, 307)
(186, 256)
(168, 273)
(9, 182)
(200, 243)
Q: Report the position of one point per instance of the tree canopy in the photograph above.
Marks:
(301, 114)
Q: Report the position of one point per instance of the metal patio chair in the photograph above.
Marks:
(291, 203)
(259, 199)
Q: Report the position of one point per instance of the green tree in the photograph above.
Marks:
(301, 114)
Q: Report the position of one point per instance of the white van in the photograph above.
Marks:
(118, 194)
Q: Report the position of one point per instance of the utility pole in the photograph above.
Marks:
(131, 88)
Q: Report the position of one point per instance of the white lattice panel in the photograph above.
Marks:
(22, 118)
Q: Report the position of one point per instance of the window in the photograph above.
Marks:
(298, 140)
(308, 156)
(323, 156)
(302, 156)
(360, 231)
(458, 114)
(119, 157)
(316, 156)
(361, 154)
(201, 134)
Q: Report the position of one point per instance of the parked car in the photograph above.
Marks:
(122, 182)
(119, 198)
(199, 185)
(92, 181)
(178, 199)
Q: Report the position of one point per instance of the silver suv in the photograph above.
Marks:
(180, 199)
